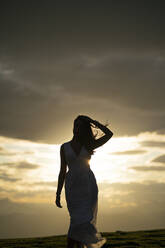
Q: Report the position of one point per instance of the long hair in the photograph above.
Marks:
(86, 136)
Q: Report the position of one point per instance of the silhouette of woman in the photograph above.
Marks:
(81, 190)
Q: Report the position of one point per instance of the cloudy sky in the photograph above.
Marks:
(59, 59)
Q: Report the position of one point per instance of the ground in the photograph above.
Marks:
(118, 239)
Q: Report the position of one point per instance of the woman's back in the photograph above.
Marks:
(72, 159)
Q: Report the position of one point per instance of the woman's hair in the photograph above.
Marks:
(86, 136)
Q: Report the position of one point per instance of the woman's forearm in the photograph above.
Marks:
(103, 128)
(61, 179)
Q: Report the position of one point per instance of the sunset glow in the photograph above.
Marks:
(29, 163)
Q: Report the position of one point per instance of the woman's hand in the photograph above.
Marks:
(57, 201)
(88, 119)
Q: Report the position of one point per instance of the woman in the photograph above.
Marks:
(81, 190)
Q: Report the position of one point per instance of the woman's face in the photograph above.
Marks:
(77, 126)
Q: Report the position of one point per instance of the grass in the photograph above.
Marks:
(118, 239)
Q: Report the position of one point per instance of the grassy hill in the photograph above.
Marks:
(118, 239)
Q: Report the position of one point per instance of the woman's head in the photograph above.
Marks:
(83, 131)
(78, 125)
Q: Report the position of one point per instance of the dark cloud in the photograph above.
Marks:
(161, 131)
(42, 183)
(160, 159)
(62, 59)
(20, 165)
(26, 165)
(87, 25)
(151, 143)
(129, 152)
(5, 152)
(148, 168)
(145, 186)
(45, 189)
(38, 107)
(8, 178)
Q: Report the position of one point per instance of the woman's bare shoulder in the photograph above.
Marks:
(64, 144)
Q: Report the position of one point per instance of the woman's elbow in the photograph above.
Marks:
(110, 134)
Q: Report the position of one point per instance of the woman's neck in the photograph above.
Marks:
(75, 139)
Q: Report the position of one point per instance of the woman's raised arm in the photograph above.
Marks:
(108, 134)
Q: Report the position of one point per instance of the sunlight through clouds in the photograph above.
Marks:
(34, 167)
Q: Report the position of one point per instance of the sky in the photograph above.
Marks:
(103, 59)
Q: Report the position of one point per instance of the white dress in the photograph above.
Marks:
(81, 194)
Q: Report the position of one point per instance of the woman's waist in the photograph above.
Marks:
(79, 169)
(79, 173)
